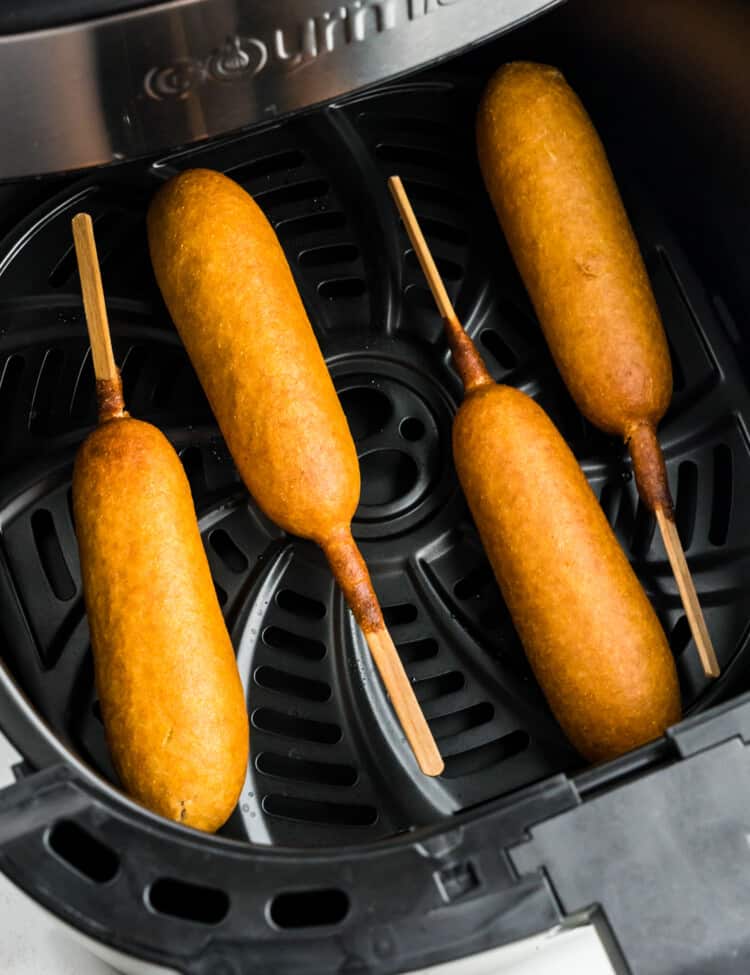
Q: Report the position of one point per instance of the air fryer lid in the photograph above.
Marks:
(137, 78)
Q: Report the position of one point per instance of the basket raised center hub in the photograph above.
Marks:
(400, 421)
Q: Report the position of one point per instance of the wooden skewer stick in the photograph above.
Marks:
(468, 362)
(653, 487)
(108, 382)
(689, 596)
(352, 575)
(404, 701)
(664, 516)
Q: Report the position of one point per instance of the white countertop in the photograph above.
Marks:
(32, 943)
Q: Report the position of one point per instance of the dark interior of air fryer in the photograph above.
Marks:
(328, 765)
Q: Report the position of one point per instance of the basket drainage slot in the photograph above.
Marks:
(432, 688)
(51, 555)
(305, 770)
(334, 814)
(399, 614)
(309, 189)
(292, 684)
(277, 162)
(722, 495)
(309, 908)
(450, 725)
(190, 902)
(312, 223)
(486, 756)
(230, 554)
(301, 646)
(10, 383)
(472, 584)
(292, 726)
(416, 650)
(342, 288)
(367, 409)
(299, 605)
(77, 848)
(503, 354)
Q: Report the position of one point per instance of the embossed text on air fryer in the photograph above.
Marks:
(287, 48)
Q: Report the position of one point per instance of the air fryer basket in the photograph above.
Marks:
(328, 766)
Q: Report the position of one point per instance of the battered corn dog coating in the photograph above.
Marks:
(172, 701)
(232, 297)
(552, 188)
(588, 629)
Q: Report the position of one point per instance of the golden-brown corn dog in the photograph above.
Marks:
(172, 702)
(591, 635)
(232, 297)
(559, 207)
(556, 198)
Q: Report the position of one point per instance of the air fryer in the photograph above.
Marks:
(341, 856)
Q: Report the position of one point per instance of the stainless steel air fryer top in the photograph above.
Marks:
(132, 80)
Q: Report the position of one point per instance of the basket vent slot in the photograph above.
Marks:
(428, 192)
(432, 688)
(485, 756)
(278, 162)
(415, 650)
(292, 193)
(189, 902)
(323, 813)
(304, 770)
(192, 461)
(449, 270)
(399, 614)
(293, 685)
(472, 584)
(450, 725)
(680, 636)
(328, 254)
(686, 501)
(292, 726)
(498, 349)
(301, 646)
(51, 555)
(342, 288)
(230, 554)
(367, 410)
(309, 908)
(722, 495)
(87, 855)
(422, 156)
(643, 530)
(312, 223)
(299, 605)
(10, 382)
(442, 230)
(45, 405)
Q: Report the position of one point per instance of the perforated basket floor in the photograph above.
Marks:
(328, 765)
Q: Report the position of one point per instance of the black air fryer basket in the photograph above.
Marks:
(355, 861)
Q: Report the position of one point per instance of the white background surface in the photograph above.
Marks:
(32, 943)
